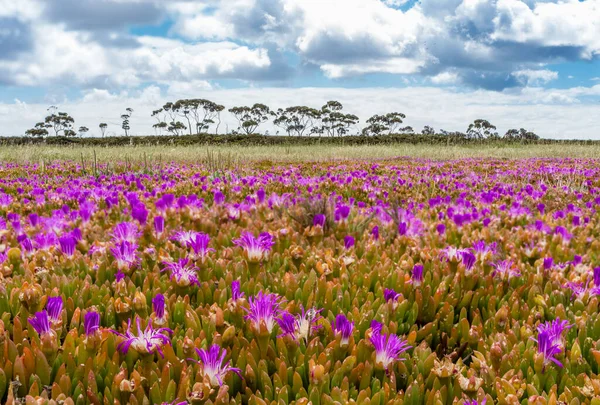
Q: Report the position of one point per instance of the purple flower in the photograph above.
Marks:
(183, 273)
(474, 402)
(555, 329)
(578, 290)
(199, 244)
(139, 213)
(388, 348)
(348, 242)
(262, 311)
(159, 225)
(54, 308)
(319, 220)
(287, 324)
(236, 294)
(548, 349)
(390, 295)
(212, 365)
(341, 213)
(505, 270)
(482, 250)
(468, 260)
(45, 241)
(548, 263)
(148, 341)
(158, 306)
(452, 253)
(91, 322)
(125, 232)
(376, 326)
(184, 237)
(126, 255)
(375, 232)
(301, 326)
(255, 249)
(119, 275)
(344, 327)
(417, 274)
(67, 244)
(41, 323)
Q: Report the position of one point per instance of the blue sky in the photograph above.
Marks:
(505, 60)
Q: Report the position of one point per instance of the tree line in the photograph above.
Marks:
(201, 116)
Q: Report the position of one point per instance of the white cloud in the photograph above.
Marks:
(445, 78)
(535, 77)
(570, 23)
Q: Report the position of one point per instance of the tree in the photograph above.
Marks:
(83, 131)
(182, 107)
(125, 118)
(481, 129)
(384, 124)
(333, 121)
(407, 130)
(203, 112)
(427, 130)
(39, 130)
(296, 120)
(521, 134)
(59, 122)
(250, 118)
(103, 127)
(176, 127)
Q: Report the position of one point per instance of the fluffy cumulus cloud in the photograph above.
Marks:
(117, 49)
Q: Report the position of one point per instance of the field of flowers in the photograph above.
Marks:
(390, 282)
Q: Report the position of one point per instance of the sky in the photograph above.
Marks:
(444, 63)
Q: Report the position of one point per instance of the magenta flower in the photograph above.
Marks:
(341, 213)
(41, 323)
(263, 310)
(468, 260)
(54, 308)
(301, 326)
(555, 329)
(67, 244)
(125, 254)
(91, 323)
(474, 402)
(199, 245)
(159, 225)
(319, 220)
(183, 273)
(148, 341)
(212, 365)
(390, 295)
(417, 275)
(126, 232)
(45, 241)
(578, 290)
(548, 349)
(184, 237)
(452, 253)
(344, 327)
(388, 348)
(348, 242)
(236, 293)
(255, 249)
(505, 270)
(376, 326)
(158, 306)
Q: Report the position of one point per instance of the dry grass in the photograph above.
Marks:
(227, 155)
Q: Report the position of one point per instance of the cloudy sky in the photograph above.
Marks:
(444, 63)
